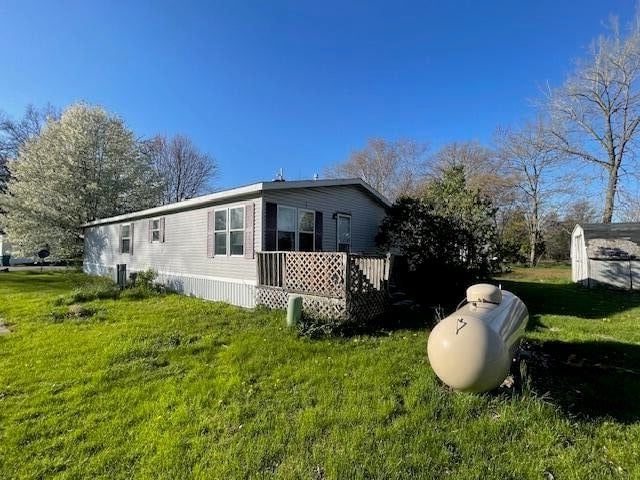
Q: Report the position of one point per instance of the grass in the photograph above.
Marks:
(175, 387)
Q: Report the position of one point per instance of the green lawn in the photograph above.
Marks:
(175, 387)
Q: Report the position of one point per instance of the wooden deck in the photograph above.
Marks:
(334, 285)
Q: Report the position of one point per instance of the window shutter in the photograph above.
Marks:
(271, 227)
(131, 241)
(150, 228)
(318, 229)
(210, 234)
(162, 230)
(120, 241)
(248, 230)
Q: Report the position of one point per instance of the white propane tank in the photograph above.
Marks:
(471, 350)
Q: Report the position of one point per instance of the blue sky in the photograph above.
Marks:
(298, 85)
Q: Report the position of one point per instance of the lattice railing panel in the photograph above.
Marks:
(325, 307)
(328, 308)
(316, 273)
(366, 306)
(272, 297)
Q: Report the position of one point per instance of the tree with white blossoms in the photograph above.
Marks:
(83, 166)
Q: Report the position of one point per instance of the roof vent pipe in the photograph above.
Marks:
(279, 176)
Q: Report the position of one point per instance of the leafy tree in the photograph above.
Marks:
(452, 198)
(84, 166)
(430, 245)
(557, 238)
(447, 236)
(514, 238)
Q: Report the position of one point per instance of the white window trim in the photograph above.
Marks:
(122, 238)
(295, 228)
(159, 230)
(225, 231)
(228, 231)
(313, 231)
(338, 216)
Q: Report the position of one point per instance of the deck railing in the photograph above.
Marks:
(271, 269)
(369, 272)
(341, 279)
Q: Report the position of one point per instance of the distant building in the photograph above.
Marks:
(6, 258)
(606, 254)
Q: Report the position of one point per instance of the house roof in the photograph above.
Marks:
(232, 193)
(612, 241)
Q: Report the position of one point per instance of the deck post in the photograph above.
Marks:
(346, 262)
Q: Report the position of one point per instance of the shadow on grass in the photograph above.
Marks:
(541, 298)
(570, 299)
(591, 379)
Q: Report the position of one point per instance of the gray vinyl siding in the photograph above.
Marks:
(182, 263)
(366, 213)
(617, 273)
(614, 273)
(181, 259)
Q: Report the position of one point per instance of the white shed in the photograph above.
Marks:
(606, 254)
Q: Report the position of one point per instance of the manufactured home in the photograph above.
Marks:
(211, 246)
(606, 254)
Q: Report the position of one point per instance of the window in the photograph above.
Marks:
(125, 238)
(236, 230)
(344, 233)
(228, 233)
(306, 230)
(155, 230)
(220, 232)
(286, 228)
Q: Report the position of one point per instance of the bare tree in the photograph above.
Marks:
(530, 158)
(630, 206)
(184, 170)
(15, 133)
(394, 168)
(596, 112)
(484, 170)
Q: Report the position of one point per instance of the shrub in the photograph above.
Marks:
(146, 280)
(143, 285)
(74, 311)
(95, 288)
(137, 293)
(447, 237)
(80, 311)
(314, 325)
